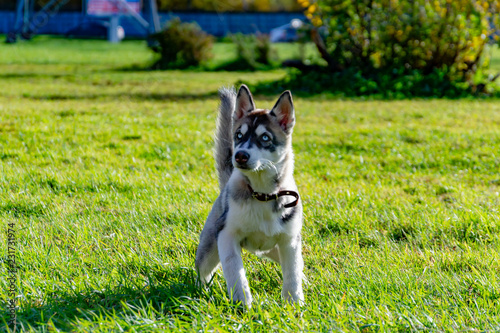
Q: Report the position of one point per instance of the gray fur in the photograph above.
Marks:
(207, 255)
(223, 135)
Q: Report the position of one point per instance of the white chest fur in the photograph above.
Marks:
(255, 223)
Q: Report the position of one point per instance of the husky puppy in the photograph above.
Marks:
(258, 208)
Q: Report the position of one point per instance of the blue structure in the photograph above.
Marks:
(217, 24)
(27, 22)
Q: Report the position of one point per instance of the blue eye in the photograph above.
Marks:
(239, 135)
(265, 138)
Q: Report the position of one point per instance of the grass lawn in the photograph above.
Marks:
(108, 176)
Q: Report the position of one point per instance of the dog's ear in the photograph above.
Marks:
(244, 102)
(283, 111)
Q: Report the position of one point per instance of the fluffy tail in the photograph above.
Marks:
(223, 135)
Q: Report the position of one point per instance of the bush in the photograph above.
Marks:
(263, 51)
(407, 37)
(182, 45)
(253, 52)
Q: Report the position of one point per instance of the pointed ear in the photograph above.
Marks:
(244, 102)
(283, 110)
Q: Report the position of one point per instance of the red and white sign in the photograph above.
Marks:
(107, 7)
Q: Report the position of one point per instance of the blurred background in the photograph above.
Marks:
(397, 48)
(89, 17)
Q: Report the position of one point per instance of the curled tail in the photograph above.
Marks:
(223, 135)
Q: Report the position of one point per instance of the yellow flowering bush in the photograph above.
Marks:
(406, 35)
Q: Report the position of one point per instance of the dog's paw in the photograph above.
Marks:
(293, 296)
(244, 300)
(204, 281)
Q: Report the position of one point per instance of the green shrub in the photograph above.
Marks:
(396, 38)
(253, 52)
(263, 51)
(245, 52)
(182, 45)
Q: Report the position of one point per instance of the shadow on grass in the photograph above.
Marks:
(166, 293)
(381, 85)
(148, 67)
(6, 76)
(139, 96)
(235, 65)
(145, 96)
(352, 83)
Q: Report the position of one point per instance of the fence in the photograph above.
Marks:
(217, 24)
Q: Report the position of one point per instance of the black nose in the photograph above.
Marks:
(241, 157)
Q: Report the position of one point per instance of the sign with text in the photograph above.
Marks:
(108, 7)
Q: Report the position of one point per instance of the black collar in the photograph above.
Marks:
(275, 196)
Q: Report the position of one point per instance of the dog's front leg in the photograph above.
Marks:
(290, 251)
(232, 267)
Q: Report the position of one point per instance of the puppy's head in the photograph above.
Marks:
(261, 137)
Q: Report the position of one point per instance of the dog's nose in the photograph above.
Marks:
(241, 157)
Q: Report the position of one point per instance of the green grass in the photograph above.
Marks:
(108, 176)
